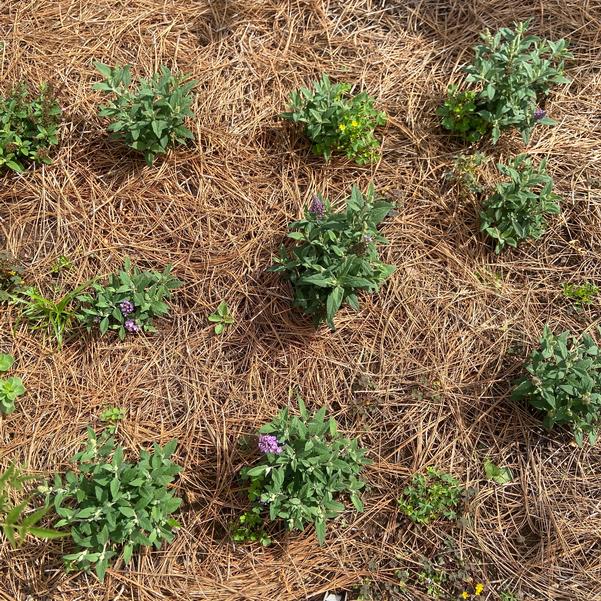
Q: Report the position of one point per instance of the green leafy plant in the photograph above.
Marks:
(114, 507)
(11, 275)
(62, 263)
(305, 465)
(465, 171)
(431, 496)
(112, 415)
(151, 117)
(16, 519)
(581, 294)
(500, 475)
(249, 528)
(564, 381)
(29, 125)
(129, 301)
(10, 388)
(512, 72)
(334, 255)
(56, 317)
(334, 121)
(221, 318)
(518, 208)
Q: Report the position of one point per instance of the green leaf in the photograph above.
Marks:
(6, 362)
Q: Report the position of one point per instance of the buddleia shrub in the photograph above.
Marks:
(114, 507)
(518, 209)
(335, 121)
(564, 382)
(149, 117)
(334, 255)
(510, 76)
(306, 465)
(29, 126)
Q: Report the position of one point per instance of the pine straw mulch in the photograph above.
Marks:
(421, 374)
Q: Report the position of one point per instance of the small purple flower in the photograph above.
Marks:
(131, 326)
(317, 207)
(269, 444)
(126, 307)
(539, 114)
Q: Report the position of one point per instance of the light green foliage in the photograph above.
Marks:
(465, 171)
(62, 263)
(518, 208)
(500, 475)
(431, 497)
(147, 290)
(29, 126)
(508, 596)
(149, 118)
(221, 318)
(112, 415)
(10, 388)
(114, 507)
(564, 382)
(336, 122)
(16, 520)
(581, 294)
(250, 528)
(316, 464)
(11, 275)
(56, 317)
(511, 73)
(335, 256)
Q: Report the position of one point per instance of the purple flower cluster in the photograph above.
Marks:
(539, 114)
(126, 307)
(317, 207)
(269, 444)
(131, 326)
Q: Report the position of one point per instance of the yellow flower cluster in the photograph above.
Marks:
(477, 591)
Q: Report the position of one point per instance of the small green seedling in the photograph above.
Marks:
(112, 415)
(250, 528)
(10, 388)
(62, 263)
(221, 318)
(581, 294)
(500, 475)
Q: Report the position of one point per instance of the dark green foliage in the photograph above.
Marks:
(147, 291)
(431, 497)
(316, 464)
(511, 74)
(16, 520)
(460, 115)
(11, 275)
(334, 256)
(114, 507)
(564, 382)
(336, 122)
(10, 388)
(517, 210)
(149, 118)
(581, 294)
(250, 528)
(29, 125)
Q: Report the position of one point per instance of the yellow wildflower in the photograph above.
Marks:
(479, 588)
(342, 127)
(465, 595)
(354, 123)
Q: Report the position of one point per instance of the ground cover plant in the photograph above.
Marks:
(151, 117)
(11, 275)
(10, 388)
(306, 465)
(564, 382)
(221, 318)
(512, 72)
(335, 121)
(129, 301)
(114, 507)
(518, 209)
(581, 294)
(29, 126)
(335, 255)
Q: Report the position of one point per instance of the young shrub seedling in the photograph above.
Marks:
(16, 519)
(335, 256)
(29, 125)
(564, 382)
(305, 465)
(10, 388)
(431, 497)
(11, 275)
(581, 294)
(511, 74)
(112, 416)
(221, 318)
(114, 507)
(336, 122)
(129, 301)
(151, 117)
(250, 528)
(517, 210)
